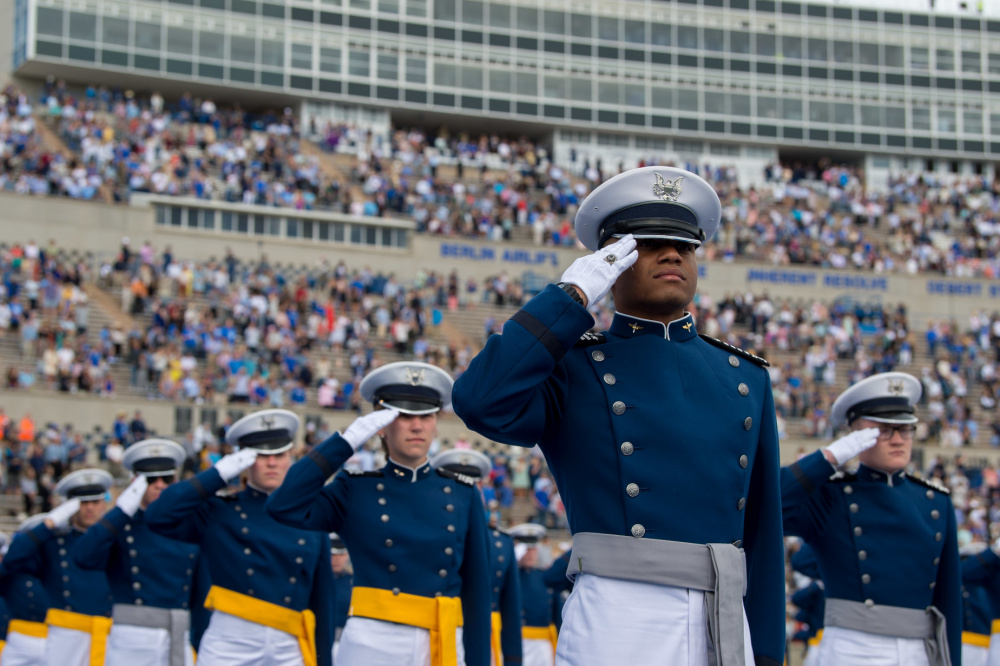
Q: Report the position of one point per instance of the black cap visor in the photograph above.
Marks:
(665, 220)
(883, 410)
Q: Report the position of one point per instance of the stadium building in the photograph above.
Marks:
(740, 82)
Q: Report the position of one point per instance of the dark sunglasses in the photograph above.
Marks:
(166, 478)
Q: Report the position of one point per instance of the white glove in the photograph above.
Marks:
(852, 444)
(130, 498)
(595, 273)
(59, 516)
(229, 467)
(366, 426)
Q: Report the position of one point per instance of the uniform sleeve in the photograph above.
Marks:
(948, 588)
(555, 577)
(93, 550)
(200, 615)
(302, 501)
(515, 388)
(981, 569)
(764, 545)
(510, 615)
(183, 511)
(322, 603)
(804, 510)
(25, 553)
(476, 595)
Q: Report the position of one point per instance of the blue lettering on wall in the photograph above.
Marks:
(856, 282)
(956, 288)
(781, 277)
(510, 256)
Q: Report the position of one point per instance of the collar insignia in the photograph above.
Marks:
(687, 326)
(635, 327)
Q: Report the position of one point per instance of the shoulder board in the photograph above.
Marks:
(228, 494)
(735, 350)
(358, 472)
(591, 339)
(840, 476)
(929, 483)
(461, 478)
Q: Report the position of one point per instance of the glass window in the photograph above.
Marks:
(687, 100)
(527, 18)
(972, 121)
(555, 87)
(115, 31)
(192, 218)
(843, 114)
(211, 45)
(445, 74)
(995, 123)
(607, 28)
(416, 70)
(147, 36)
(82, 26)
(413, 7)
(739, 105)
(500, 81)
(208, 219)
(791, 47)
(920, 58)
(765, 44)
(635, 95)
(817, 49)
(242, 223)
(227, 221)
(894, 56)
(472, 12)
(945, 60)
(180, 41)
(791, 108)
(687, 38)
(663, 98)
(970, 62)
(871, 115)
(360, 4)
(715, 102)
(302, 56)
(329, 60)
(819, 111)
(946, 120)
(581, 25)
(50, 22)
(472, 78)
(715, 40)
(242, 49)
(527, 84)
(388, 6)
(843, 51)
(292, 227)
(994, 63)
(921, 118)
(444, 10)
(659, 34)
(895, 117)
(555, 22)
(767, 107)
(868, 54)
(581, 90)
(272, 53)
(359, 63)
(739, 42)
(388, 66)
(499, 15)
(635, 32)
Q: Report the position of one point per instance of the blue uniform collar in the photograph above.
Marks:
(394, 470)
(629, 326)
(866, 473)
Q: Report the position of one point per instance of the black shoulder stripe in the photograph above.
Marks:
(455, 476)
(801, 477)
(196, 483)
(109, 527)
(546, 337)
(591, 339)
(757, 360)
(929, 483)
(321, 462)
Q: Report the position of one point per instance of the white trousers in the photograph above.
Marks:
(536, 652)
(846, 646)
(367, 642)
(233, 641)
(23, 650)
(993, 656)
(974, 655)
(812, 656)
(129, 645)
(67, 647)
(607, 621)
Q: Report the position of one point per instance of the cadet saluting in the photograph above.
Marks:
(640, 424)
(885, 541)
(156, 582)
(27, 605)
(417, 536)
(272, 586)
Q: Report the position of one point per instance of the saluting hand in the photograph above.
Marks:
(852, 444)
(130, 498)
(59, 517)
(230, 467)
(366, 426)
(596, 273)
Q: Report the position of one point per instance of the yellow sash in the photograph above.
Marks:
(979, 640)
(495, 638)
(301, 625)
(442, 616)
(814, 641)
(995, 628)
(97, 626)
(35, 629)
(548, 633)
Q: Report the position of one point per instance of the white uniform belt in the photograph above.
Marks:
(175, 620)
(928, 625)
(717, 569)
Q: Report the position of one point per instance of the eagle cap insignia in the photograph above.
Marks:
(155, 450)
(895, 387)
(415, 376)
(668, 190)
(267, 422)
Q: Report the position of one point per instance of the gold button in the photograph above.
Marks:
(733, 361)
(743, 389)
(609, 379)
(597, 355)
(632, 489)
(618, 407)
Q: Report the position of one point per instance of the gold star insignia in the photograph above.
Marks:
(635, 327)
(687, 326)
